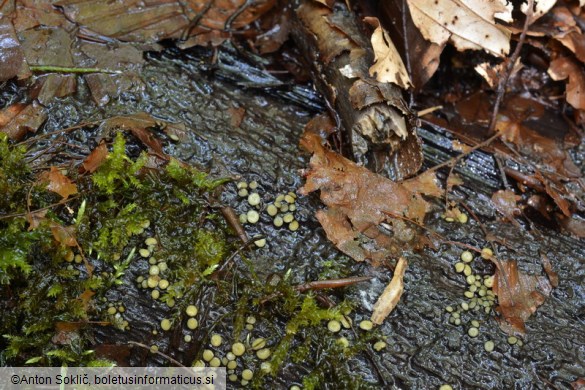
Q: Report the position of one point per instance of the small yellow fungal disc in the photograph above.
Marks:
(462, 218)
(191, 310)
(263, 353)
(165, 324)
(261, 243)
(151, 241)
(188, 338)
(366, 325)
(144, 252)
(380, 345)
(254, 199)
(216, 340)
(271, 210)
(207, 355)
(215, 362)
(192, 323)
(247, 374)
(238, 349)
(466, 256)
(253, 216)
(334, 326)
(293, 226)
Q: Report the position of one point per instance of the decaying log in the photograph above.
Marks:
(378, 130)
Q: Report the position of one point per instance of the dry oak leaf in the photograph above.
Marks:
(540, 8)
(388, 66)
(468, 24)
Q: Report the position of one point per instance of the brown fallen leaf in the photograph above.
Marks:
(388, 66)
(139, 125)
(566, 67)
(391, 295)
(34, 218)
(366, 212)
(29, 119)
(451, 20)
(95, 159)
(519, 295)
(506, 202)
(59, 183)
(64, 235)
(12, 63)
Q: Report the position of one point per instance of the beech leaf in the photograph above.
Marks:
(468, 24)
(388, 66)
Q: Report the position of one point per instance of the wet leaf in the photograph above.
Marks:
(359, 201)
(12, 62)
(64, 235)
(60, 183)
(467, 24)
(96, 158)
(388, 66)
(139, 125)
(35, 218)
(391, 295)
(519, 295)
(506, 202)
(28, 119)
(566, 67)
